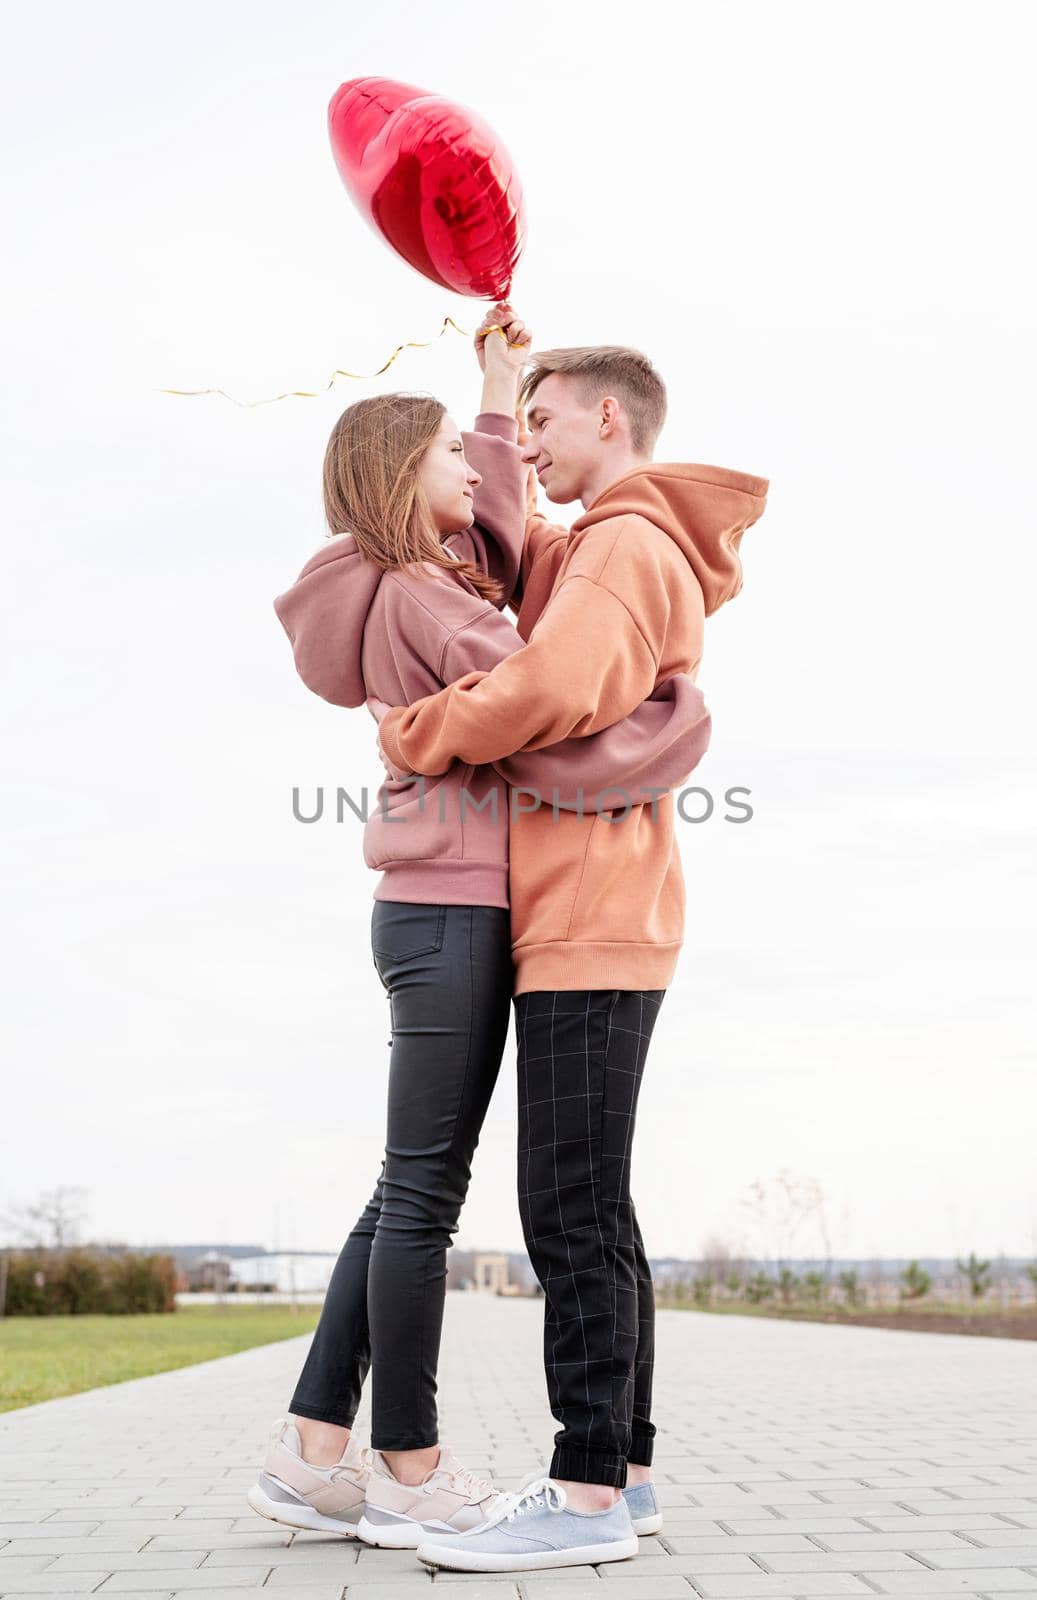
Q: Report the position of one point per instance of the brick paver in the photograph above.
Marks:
(793, 1460)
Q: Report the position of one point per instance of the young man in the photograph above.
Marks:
(609, 609)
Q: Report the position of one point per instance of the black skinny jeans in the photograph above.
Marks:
(449, 977)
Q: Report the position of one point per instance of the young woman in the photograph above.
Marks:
(426, 548)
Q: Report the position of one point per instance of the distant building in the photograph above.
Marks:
(490, 1275)
(284, 1272)
(211, 1272)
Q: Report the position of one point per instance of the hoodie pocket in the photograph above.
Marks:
(459, 817)
(414, 821)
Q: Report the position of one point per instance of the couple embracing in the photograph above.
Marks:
(526, 848)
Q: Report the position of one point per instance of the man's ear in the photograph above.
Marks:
(610, 412)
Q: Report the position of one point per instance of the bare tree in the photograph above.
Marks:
(53, 1220)
(781, 1207)
(720, 1258)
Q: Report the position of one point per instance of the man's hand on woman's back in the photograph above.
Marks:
(379, 709)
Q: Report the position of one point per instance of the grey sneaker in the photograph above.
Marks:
(643, 1505)
(534, 1529)
(300, 1495)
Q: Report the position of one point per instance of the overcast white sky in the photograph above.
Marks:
(814, 217)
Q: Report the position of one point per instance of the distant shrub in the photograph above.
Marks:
(814, 1287)
(850, 1283)
(916, 1282)
(73, 1282)
(143, 1283)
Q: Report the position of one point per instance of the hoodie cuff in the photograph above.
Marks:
(387, 738)
(499, 423)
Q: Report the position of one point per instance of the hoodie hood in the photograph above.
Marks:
(704, 510)
(325, 611)
(323, 614)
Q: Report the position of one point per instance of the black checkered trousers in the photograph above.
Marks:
(581, 1055)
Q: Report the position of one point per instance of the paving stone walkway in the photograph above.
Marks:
(794, 1460)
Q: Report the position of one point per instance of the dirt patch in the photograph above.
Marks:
(1021, 1324)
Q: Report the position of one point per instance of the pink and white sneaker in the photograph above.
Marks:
(449, 1499)
(300, 1495)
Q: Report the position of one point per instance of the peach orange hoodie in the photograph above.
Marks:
(609, 611)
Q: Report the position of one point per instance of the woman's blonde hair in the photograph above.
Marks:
(372, 490)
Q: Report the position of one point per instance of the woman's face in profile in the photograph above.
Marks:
(448, 481)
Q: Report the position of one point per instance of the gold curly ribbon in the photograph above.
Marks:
(340, 372)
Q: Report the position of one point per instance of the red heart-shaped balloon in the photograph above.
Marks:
(433, 180)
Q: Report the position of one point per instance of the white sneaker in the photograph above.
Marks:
(300, 1495)
(450, 1499)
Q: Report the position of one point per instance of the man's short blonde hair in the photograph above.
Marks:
(601, 369)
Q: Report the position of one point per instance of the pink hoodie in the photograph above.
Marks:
(360, 633)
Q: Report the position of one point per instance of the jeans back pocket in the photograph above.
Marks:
(400, 929)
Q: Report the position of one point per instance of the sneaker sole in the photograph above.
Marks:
(650, 1524)
(457, 1559)
(399, 1533)
(297, 1516)
(391, 1535)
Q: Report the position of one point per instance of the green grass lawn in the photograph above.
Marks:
(43, 1357)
